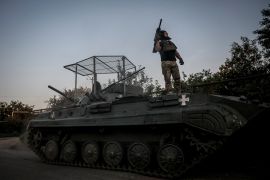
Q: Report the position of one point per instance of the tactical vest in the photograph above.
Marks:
(167, 46)
(167, 52)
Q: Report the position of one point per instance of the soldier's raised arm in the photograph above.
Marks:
(158, 46)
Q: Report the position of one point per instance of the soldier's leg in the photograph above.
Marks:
(176, 78)
(166, 71)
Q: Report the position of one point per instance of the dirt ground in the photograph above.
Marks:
(17, 162)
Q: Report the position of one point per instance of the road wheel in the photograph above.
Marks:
(36, 138)
(113, 153)
(51, 150)
(69, 151)
(138, 155)
(170, 158)
(90, 152)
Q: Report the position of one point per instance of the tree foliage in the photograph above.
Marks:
(16, 113)
(199, 78)
(149, 85)
(141, 79)
(16, 106)
(19, 106)
(248, 59)
(264, 32)
(59, 100)
(245, 60)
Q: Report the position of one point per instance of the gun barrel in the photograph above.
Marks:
(59, 92)
(160, 21)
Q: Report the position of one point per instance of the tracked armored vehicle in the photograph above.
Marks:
(120, 129)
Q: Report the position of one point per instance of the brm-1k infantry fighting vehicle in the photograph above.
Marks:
(119, 128)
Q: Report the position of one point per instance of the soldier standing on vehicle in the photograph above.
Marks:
(168, 53)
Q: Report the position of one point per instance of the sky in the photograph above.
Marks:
(39, 37)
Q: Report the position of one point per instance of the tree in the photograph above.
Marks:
(195, 79)
(3, 113)
(8, 108)
(19, 106)
(199, 78)
(246, 60)
(263, 33)
(16, 113)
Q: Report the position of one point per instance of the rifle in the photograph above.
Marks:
(157, 36)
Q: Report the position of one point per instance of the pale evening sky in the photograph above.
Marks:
(39, 37)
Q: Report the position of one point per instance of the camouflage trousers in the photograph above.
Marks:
(170, 68)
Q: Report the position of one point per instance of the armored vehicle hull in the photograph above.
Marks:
(162, 136)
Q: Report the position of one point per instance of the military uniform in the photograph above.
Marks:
(170, 68)
(168, 53)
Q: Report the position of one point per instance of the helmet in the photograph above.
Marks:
(162, 37)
